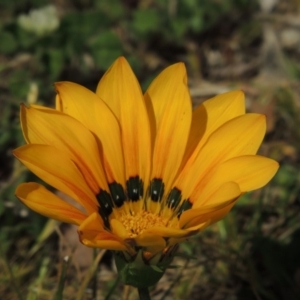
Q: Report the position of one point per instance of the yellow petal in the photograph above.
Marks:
(102, 244)
(227, 191)
(239, 136)
(150, 242)
(250, 172)
(50, 127)
(40, 107)
(55, 167)
(118, 229)
(39, 199)
(172, 107)
(120, 90)
(170, 232)
(212, 217)
(216, 205)
(85, 106)
(92, 234)
(212, 114)
(195, 213)
(58, 103)
(192, 230)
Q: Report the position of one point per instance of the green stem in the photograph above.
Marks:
(144, 294)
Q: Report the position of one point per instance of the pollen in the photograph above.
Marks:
(137, 223)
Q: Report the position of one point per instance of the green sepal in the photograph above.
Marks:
(156, 268)
(137, 273)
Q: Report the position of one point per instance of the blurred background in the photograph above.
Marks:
(235, 44)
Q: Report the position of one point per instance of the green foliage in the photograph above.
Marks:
(93, 31)
(17, 85)
(8, 42)
(105, 48)
(146, 22)
(246, 255)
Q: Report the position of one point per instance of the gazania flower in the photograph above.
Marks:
(147, 171)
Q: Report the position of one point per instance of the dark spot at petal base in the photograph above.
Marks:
(135, 188)
(106, 206)
(186, 205)
(157, 188)
(174, 198)
(117, 193)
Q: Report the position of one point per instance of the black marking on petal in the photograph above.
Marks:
(135, 188)
(104, 217)
(117, 193)
(105, 201)
(106, 206)
(174, 198)
(186, 205)
(157, 188)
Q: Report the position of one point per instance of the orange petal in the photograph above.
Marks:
(150, 242)
(172, 108)
(119, 229)
(58, 103)
(212, 114)
(39, 199)
(239, 136)
(214, 205)
(192, 230)
(227, 191)
(55, 167)
(50, 127)
(250, 172)
(85, 106)
(120, 90)
(92, 234)
(170, 232)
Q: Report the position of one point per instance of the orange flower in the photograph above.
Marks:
(148, 171)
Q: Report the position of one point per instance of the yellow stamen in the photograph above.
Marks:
(137, 223)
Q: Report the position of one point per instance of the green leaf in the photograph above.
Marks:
(146, 21)
(82, 25)
(8, 43)
(25, 38)
(105, 49)
(19, 83)
(113, 9)
(179, 27)
(56, 62)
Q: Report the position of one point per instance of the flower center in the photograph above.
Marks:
(137, 223)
